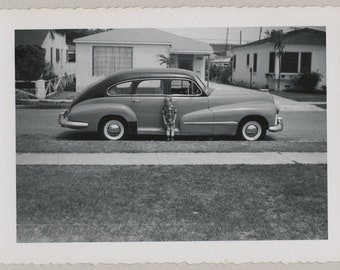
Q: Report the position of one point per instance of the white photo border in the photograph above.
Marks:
(165, 252)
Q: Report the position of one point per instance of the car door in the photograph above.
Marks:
(147, 102)
(193, 114)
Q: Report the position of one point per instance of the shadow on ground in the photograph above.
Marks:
(90, 136)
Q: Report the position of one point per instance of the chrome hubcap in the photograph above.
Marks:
(113, 129)
(251, 130)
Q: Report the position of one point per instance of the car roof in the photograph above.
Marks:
(99, 88)
(149, 73)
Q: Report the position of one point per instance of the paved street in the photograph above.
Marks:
(39, 131)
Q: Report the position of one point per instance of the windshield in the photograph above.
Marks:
(200, 83)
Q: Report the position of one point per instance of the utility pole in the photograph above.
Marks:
(226, 42)
(260, 32)
(240, 37)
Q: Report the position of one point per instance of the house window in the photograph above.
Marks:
(234, 61)
(248, 59)
(290, 62)
(57, 55)
(306, 62)
(51, 56)
(272, 62)
(255, 62)
(71, 56)
(107, 60)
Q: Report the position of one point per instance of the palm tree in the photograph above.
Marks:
(279, 51)
(162, 59)
(276, 36)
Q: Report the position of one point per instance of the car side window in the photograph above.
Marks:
(150, 87)
(124, 88)
(184, 87)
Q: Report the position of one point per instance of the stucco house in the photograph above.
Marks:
(103, 53)
(54, 44)
(256, 64)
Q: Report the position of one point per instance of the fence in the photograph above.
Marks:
(58, 84)
(43, 89)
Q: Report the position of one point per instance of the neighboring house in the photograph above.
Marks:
(54, 44)
(255, 64)
(221, 62)
(102, 54)
(222, 50)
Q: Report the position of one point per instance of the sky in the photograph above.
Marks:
(218, 35)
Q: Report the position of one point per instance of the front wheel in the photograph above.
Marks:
(112, 130)
(252, 130)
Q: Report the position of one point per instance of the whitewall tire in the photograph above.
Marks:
(252, 130)
(113, 130)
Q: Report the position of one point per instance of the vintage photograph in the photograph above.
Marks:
(171, 134)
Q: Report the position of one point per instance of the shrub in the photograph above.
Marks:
(225, 75)
(220, 74)
(308, 81)
(30, 64)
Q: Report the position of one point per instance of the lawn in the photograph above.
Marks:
(312, 96)
(171, 203)
(64, 95)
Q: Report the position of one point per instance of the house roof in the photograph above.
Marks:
(177, 43)
(30, 37)
(221, 60)
(305, 36)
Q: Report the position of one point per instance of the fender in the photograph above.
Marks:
(234, 113)
(93, 110)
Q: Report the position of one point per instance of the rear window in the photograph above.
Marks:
(120, 89)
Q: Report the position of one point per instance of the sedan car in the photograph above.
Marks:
(130, 102)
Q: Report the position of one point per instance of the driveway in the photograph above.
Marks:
(285, 104)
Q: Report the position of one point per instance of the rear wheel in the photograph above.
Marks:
(252, 130)
(112, 129)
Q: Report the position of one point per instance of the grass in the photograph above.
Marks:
(64, 95)
(171, 203)
(309, 96)
(49, 103)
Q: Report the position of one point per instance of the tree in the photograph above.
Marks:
(162, 59)
(276, 36)
(30, 63)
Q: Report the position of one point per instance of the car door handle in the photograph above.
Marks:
(135, 100)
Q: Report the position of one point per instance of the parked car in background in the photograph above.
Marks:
(131, 101)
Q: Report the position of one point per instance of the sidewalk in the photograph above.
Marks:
(262, 158)
(284, 104)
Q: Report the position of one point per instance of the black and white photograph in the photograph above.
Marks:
(207, 134)
(169, 136)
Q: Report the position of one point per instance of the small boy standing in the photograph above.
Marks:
(169, 113)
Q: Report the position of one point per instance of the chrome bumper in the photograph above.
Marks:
(278, 126)
(62, 119)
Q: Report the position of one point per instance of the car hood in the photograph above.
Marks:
(220, 97)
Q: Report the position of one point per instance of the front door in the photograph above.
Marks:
(147, 102)
(192, 108)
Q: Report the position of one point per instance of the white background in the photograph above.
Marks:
(192, 252)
